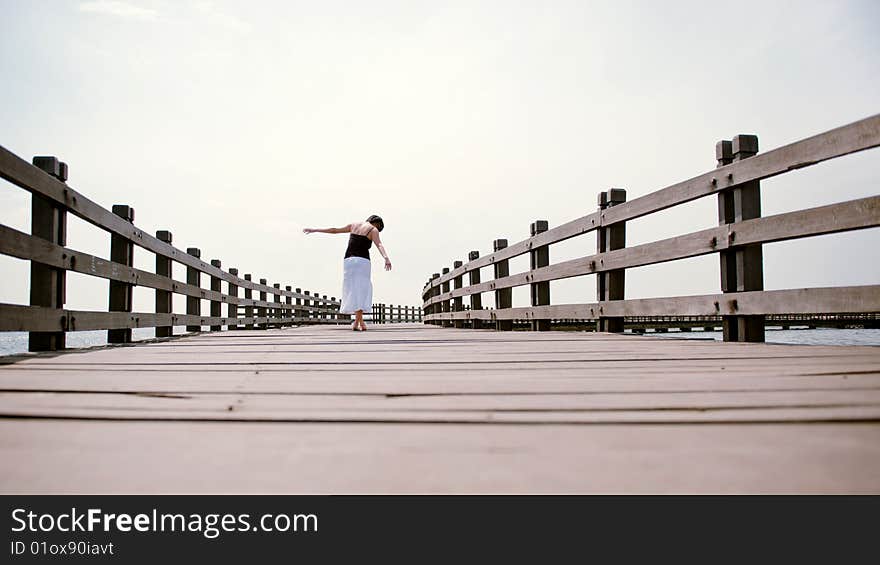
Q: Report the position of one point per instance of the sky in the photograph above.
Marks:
(236, 124)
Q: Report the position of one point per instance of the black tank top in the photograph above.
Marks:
(358, 246)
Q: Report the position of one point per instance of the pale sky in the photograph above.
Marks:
(236, 124)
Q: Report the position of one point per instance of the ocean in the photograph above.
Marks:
(17, 342)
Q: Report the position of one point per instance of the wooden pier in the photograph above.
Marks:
(280, 396)
(418, 409)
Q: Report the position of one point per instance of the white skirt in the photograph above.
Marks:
(357, 289)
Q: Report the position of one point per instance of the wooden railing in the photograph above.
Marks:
(391, 314)
(250, 304)
(742, 303)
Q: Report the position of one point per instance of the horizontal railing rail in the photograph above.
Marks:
(738, 240)
(249, 303)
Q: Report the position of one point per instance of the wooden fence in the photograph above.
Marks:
(742, 304)
(391, 314)
(250, 303)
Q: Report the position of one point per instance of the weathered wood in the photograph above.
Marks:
(121, 253)
(31, 178)
(726, 215)
(16, 317)
(539, 291)
(610, 285)
(25, 246)
(232, 305)
(193, 278)
(288, 300)
(476, 298)
(216, 286)
(249, 308)
(433, 293)
(48, 222)
(748, 259)
(457, 305)
(858, 136)
(276, 312)
(164, 297)
(307, 304)
(806, 301)
(503, 297)
(444, 306)
(534, 411)
(299, 312)
(262, 311)
(833, 218)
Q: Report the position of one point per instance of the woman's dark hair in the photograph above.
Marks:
(376, 221)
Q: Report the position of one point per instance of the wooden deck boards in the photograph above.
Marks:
(415, 408)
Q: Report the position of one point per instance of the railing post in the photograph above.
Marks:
(276, 312)
(307, 303)
(610, 285)
(476, 298)
(122, 252)
(297, 312)
(444, 304)
(49, 222)
(262, 311)
(539, 257)
(504, 296)
(727, 257)
(289, 301)
(231, 308)
(335, 307)
(456, 302)
(216, 286)
(163, 297)
(193, 303)
(325, 315)
(742, 268)
(435, 291)
(249, 306)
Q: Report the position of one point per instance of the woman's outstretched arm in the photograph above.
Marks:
(343, 229)
(374, 235)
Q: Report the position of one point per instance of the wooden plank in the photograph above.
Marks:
(555, 410)
(258, 404)
(21, 318)
(396, 458)
(221, 412)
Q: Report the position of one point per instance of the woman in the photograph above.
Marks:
(357, 290)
